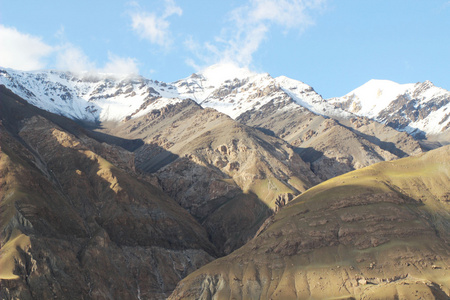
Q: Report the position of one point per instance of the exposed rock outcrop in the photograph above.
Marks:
(227, 175)
(331, 147)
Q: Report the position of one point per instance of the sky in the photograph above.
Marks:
(333, 45)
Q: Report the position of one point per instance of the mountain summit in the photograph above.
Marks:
(420, 109)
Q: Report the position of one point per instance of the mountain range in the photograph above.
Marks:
(103, 174)
(420, 109)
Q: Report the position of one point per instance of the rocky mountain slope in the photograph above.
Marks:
(380, 232)
(331, 146)
(74, 212)
(229, 176)
(257, 100)
(86, 97)
(420, 109)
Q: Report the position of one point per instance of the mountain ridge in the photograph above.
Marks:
(231, 90)
(105, 101)
(420, 108)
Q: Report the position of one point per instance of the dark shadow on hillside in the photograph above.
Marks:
(159, 161)
(415, 133)
(266, 131)
(324, 167)
(387, 146)
(127, 144)
(429, 145)
(309, 154)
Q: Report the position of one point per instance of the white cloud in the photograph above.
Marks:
(72, 58)
(22, 51)
(120, 65)
(25, 52)
(287, 13)
(191, 63)
(155, 28)
(172, 9)
(60, 33)
(249, 25)
(199, 52)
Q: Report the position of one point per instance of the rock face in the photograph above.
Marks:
(73, 223)
(332, 147)
(333, 140)
(378, 232)
(227, 175)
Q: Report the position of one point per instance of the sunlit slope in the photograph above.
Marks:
(76, 220)
(376, 233)
(422, 181)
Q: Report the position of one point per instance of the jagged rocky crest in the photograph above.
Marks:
(420, 109)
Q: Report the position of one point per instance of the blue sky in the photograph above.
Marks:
(333, 45)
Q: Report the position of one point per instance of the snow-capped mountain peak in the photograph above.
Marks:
(199, 86)
(87, 96)
(234, 91)
(418, 108)
(305, 96)
(372, 97)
